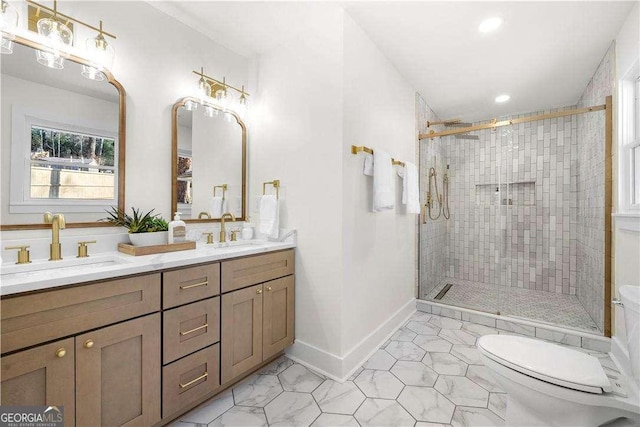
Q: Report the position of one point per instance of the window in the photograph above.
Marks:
(71, 165)
(61, 166)
(629, 136)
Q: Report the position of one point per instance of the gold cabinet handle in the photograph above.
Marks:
(88, 344)
(194, 330)
(203, 376)
(195, 285)
(61, 352)
(268, 288)
(258, 291)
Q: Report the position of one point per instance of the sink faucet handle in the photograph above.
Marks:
(234, 234)
(23, 253)
(83, 252)
(209, 238)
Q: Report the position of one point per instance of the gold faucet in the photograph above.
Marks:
(57, 223)
(204, 215)
(223, 231)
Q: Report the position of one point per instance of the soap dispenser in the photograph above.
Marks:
(177, 229)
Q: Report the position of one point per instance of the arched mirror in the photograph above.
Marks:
(63, 141)
(209, 162)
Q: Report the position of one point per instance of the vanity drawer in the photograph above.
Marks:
(256, 269)
(190, 379)
(32, 319)
(183, 286)
(190, 328)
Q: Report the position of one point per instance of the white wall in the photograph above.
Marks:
(379, 249)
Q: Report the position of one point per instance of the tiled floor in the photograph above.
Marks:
(428, 374)
(549, 307)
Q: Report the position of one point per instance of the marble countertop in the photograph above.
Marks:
(43, 274)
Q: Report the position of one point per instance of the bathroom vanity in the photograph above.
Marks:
(140, 349)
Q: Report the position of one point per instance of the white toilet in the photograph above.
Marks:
(552, 385)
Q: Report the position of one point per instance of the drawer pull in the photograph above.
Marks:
(195, 285)
(194, 330)
(269, 288)
(258, 291)
(203, 376)
(61, 352)
(88, 344)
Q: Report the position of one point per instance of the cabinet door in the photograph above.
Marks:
(118, 374)
(278, 315)
(241, 341)
(41, 376)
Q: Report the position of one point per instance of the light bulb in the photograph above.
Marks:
(191, 105)
(8, 26)
(100, 54)
(57, 36)
(204, 89)
(209, 111)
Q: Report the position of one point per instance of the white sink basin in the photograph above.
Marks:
(71, 265)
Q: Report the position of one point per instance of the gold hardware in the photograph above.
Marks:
(68, 18)
(195, 285)
(88, 344)
(223, 231)
(204, 214)
(234, 235)
(61, 352)
(57, 223)
(201, 377)
(223, 187)
(209, 238)
(194, 330)
(23, 253)
(444, 122)
(269, 288)
(258, 291)
(495, 123)
(223, 85)
(355, 149)
(82, 248)
(276, 185)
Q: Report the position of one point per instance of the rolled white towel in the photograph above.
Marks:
(269, 216)
(410, 189)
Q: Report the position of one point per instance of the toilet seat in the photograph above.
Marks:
(548, 362)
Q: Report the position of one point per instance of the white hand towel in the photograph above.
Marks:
(368, 164)
(269, 215)
(216, 207)
(383, 185)
(410, 192)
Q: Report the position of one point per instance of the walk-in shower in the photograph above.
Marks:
(528, 224)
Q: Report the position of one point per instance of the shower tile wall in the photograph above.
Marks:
(433, 234)
(529, 241)
(591, 184)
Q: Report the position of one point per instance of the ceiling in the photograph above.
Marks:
(542, 56)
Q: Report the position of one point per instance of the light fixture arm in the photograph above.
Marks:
(55, 13)
(222, 83)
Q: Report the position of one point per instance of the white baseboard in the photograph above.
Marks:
(340, 368)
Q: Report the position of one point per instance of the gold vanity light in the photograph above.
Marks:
(57, 36)
(8, 25)
(212, 92)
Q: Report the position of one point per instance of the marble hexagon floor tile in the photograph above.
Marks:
(241, 416)
(402, 350)
(258, 390)
(299, 378)
(380, 360)
(467, 353)
(422, 328)
(445, 363)
(426, 404)
(457, 336)
(403, 334)
(383, 413)
(445, 323)
(462, 391)
(498, 404)
(379, 384)
(433, 343)
(481, 376)
(338, 398)
(467, 417)
(414, 373)
(276, 367)
(292, 409)
(335, 420)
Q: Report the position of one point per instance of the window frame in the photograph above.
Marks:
(20, 185)
(628, 139)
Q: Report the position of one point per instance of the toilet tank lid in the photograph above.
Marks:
(546, 361)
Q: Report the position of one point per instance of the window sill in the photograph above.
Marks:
(627, 221)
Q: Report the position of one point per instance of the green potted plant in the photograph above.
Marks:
(145, 229)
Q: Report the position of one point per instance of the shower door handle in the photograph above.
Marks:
(617, 302)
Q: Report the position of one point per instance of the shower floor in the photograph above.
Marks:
(556, 309)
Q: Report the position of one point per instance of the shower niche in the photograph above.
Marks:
(522, 193)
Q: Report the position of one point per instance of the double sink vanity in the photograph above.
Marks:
(116, 339)
(141, 340)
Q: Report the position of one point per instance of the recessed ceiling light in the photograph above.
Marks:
(490, 24)
(502, 98)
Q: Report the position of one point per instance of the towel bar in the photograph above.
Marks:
(223, 187)
(355, 149)
(276, 185)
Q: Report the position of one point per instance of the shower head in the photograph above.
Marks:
(467, 136)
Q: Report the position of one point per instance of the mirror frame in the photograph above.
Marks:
(174, 161)
(122, 131)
